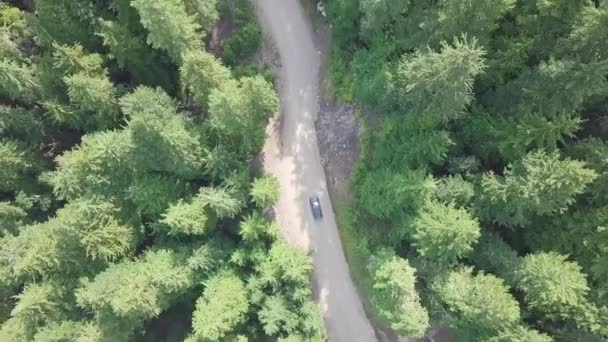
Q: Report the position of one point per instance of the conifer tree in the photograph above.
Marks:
(135, 290)
(540, 184)
(265, 191)
(221, 308)
(444, 232)
(170, 27)
(439, 85)
(162, 138)
(394, 294)
(200, 73)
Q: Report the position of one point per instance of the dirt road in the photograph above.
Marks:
(292, 154)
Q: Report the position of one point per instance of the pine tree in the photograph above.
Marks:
(585, 41)
(439, 85)
(221, 201)
(17, 81)
(476, 18)
(394, 294)
(551, 283)
(379, 14)
(255, 227)
(11, 217)
(38, 304)
(265, 191)
(444, 232)
(540, 184)
(170, 27)
(239, 110)
(163, 139)
(14, 165)
(135, 290)
(387, 194)
(277, 317)
(287, 267)
(153, 193)
(205, 11)
(455, 189)
(96, 96)
(21, 123)
(128, 47)
(518, 135)
(200, 73)
(520, 334)
(69, 331)
(73, 59)
(65, 22)
(221, 308)
(188, 218)
(481, 304)
(99, 166)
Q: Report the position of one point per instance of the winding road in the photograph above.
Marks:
(292, 154)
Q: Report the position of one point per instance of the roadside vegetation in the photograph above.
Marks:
(129, 210)
(480, 191)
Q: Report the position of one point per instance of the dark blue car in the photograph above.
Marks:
(315, 207)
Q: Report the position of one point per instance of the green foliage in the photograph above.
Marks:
(14, 165)
(121, 240)
(376, 14)
(17, 81)
(247, 37)
(37, 304)
(221, 308)
(254, 227)
(289, 267)
(242, 44)
(540, 184)
(239, 110)
(10, 217)
(131, 52)
(276, 316)
(446, 77)
(386, 194)
(200, 73)
(444, 232)
(21, 123)
(551, 283)
(72, 59)
(189, 218)
(585, 40)
(520, 334)
(99, 166)
(136, 290)
(480, 302)
(395, 296)
(152, 193)
(476, 18)
(163, 139)
(411, 143)
(69, 331)
(64, 22)
(206, 12)
(265, 191)
(221, 201)
(493, 120)
(170, 27)
(454, 189)
(517, 136)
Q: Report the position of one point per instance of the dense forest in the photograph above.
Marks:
(130, 209)
(481, 193)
